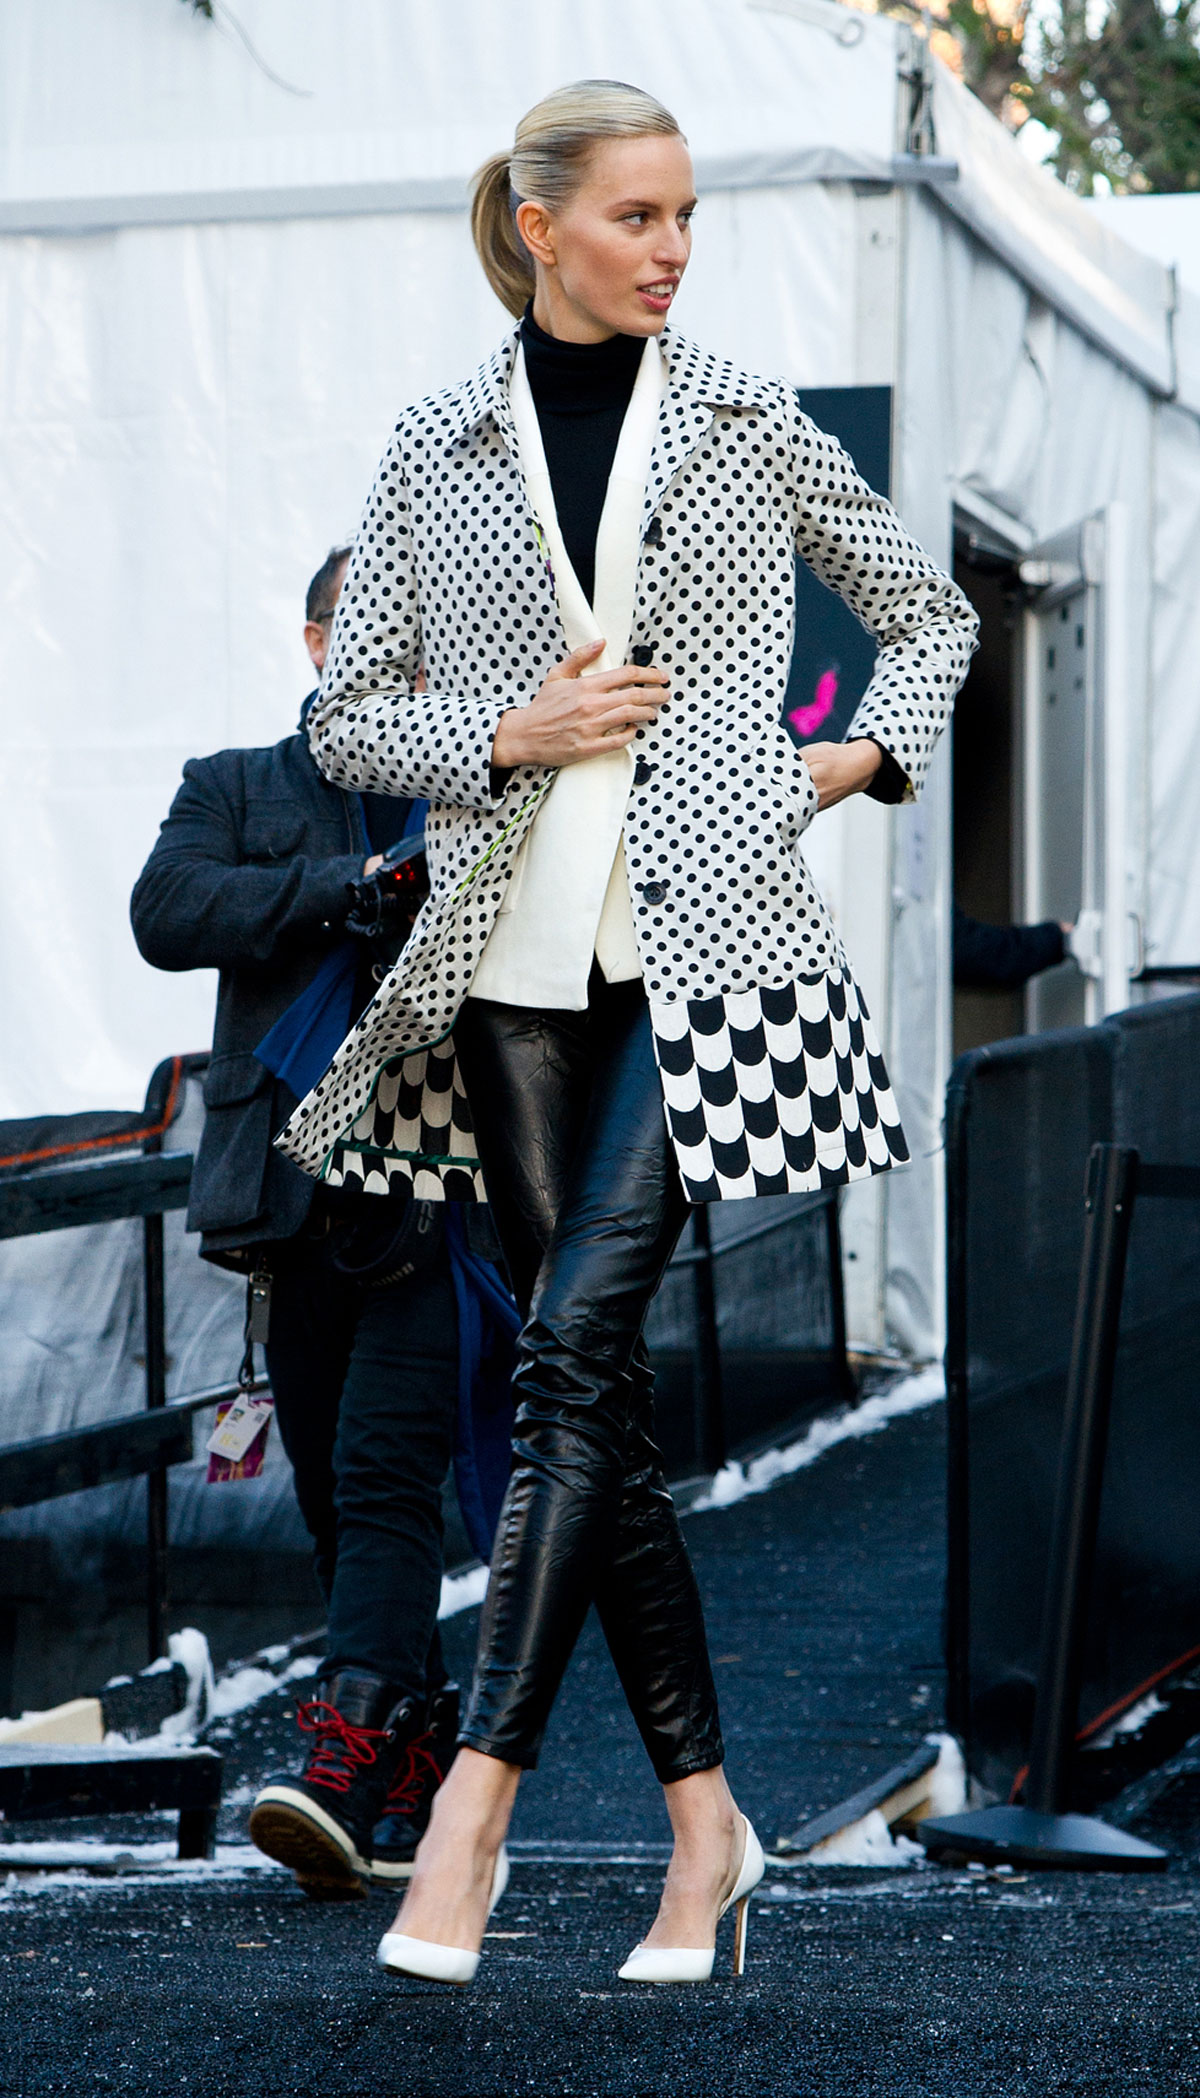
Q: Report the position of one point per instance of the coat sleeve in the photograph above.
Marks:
(925, 627)
(367, 727)
(198, 904)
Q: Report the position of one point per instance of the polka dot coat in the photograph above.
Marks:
(772, 1077)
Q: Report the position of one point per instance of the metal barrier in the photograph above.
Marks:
(54, 1189)
(1073, 1584)
(1041, 1830)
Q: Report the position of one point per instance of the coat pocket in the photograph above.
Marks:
(234, 1078)
(807, 797)
(229, 1178)
(273, 830)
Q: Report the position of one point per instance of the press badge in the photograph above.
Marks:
(238, 1427)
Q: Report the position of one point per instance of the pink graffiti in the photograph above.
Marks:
(805, 720)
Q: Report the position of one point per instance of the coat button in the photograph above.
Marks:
(642, 655)
(642, 772)
(654, 891)
(654, 532)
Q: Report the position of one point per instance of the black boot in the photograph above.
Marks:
(320, 1822)
(418, 1774)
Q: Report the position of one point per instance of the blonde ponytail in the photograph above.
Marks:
(546, 166)
(501, 250)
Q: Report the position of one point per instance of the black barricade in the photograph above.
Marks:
(1021, 1119)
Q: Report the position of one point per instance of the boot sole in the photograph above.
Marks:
(386, 1872)
(297, 1833)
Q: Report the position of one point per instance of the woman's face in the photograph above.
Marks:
(611, 261)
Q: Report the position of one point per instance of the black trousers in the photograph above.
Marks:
(366, 1384)
(588, 1205)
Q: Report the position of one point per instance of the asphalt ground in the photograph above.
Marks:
(824, 1604)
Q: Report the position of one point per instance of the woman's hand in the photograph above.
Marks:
(841, 769)
(574, 716)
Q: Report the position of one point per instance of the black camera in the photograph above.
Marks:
(384, 905)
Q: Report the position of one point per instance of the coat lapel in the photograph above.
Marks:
(484, 397)
(697, 385)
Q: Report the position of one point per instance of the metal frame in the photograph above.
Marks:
(97, 1190)
(1088, 560)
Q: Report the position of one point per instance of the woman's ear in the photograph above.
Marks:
(533, 225)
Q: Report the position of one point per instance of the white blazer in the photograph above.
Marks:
(568, 900)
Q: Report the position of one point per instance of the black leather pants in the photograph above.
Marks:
(588, 1204)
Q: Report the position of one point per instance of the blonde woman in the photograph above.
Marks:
(624, 995)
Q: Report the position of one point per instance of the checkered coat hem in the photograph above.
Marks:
(769, 1091)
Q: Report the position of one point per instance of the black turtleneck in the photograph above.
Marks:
(581, 391)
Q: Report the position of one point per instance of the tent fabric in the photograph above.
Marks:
(153, 111)
(192, 127)
(1166, 227)
(72, 1320)
(1078, 264)
(1174, 852)
(1009, 405)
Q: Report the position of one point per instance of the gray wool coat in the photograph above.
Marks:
(772, 1077)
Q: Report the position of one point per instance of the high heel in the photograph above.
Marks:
(430, 1962)
(695, 1962)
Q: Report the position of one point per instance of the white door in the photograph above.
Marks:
(1073, 770)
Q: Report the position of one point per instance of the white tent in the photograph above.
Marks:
(230, 249)
(1166, 227)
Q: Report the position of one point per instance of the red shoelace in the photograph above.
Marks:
(343, 1749)
(405, 1789)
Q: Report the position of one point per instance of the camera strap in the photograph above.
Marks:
(257, 1323)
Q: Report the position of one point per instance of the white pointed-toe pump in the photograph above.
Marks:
(695, 1962)
(429, 1962)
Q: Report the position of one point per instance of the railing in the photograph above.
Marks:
(55, 1190)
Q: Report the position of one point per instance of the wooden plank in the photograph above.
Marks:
(44, 1783)
(900, 1779)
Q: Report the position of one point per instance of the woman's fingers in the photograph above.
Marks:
(627, 708)
(578, 713)
(630, 678)
(577, 662)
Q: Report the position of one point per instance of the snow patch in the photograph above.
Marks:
(247, 1686)
(1130, 1722)
(34, 1869)
(869, 1841)
(190, 1648)
(209, 1698)
(735, 1481)
(462, 1591)
(866, 1842)
(948, 1778)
